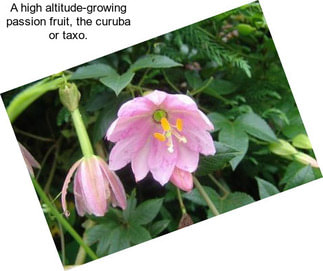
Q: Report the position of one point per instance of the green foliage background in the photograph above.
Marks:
(229, 65)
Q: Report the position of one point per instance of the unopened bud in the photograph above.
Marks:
(185, 221)
(70, 96)
(306, 159)
(301, 141)
(282, 148)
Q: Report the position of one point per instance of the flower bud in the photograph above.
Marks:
(70, 96)
(301, 141)
(185, 221)
(306, 159)
(282, 148)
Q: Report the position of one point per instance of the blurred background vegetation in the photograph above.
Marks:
(229, 65)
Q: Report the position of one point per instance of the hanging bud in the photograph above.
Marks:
(282, 148)
(185, 221)
(70, 96)
(305, 159)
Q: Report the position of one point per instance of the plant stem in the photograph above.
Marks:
(205, 196)
(225, 191)
(29, 95)
(82, 134)
(81, 254)
(202, 87)
(170, 83)
(62, 220)
(181, 203)
(46, 139)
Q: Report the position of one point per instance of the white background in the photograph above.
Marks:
(283, 232)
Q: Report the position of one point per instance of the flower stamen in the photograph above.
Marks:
(160, 137)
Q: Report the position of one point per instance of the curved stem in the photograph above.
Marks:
(29, 95)
(82, 134)
(205, 196)
(202, 87)
(181, 203)
(62, 220)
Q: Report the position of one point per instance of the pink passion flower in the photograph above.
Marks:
(161, 133)
(95, 186)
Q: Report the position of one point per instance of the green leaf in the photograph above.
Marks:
(106, 117)
(153, 61)
(158, 227)
(233, 201)
(256, 126)
(224, 154)
(296, 175)
(219, 121)
(245, 29)
(117, 82)
(220, 87)
(138, 234)
(92, 71)
(146, 212)
(118, 239)
(196, 197)
(131, 205)
(101, 233)
(234, 136)
(266, 188)
(193, 79)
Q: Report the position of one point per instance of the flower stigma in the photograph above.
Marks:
(169, 130)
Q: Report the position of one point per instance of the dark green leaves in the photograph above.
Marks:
(224, 154)
(117, 82)
(92, 71)
(266, 189)
(256, 126)
(146, 212)
(297, 174)
(153, 61)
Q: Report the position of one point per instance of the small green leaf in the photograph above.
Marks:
(219, 121)
(92, 71)
(301, 141)
(245, 29)
(193, 79)
(233, 135)
(131, 205)
(118, 239)
(302, 175)
(196, 197)
(256, 126)
(146, 212)
(224, 154)
(266, 188)
(138, 234)
(153, 61)
(117, 82)
(220, 87)
(158, 227)
(233, 201)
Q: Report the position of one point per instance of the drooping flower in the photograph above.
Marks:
(161, 133)
(95, 187)
(30, 161)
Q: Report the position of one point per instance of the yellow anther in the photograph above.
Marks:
(159, 136)
(179, 125)
(165, 124)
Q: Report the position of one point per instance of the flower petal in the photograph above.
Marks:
(157, 97)
(139, 162)
(179, 102)
(136, 106)
(78, 195)
(118, 193)
(93, 184)
(65, 185)
(199, 141)
(161, 162)
(182, 179)
(123, 128)
(192, 119)
(187, 159)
